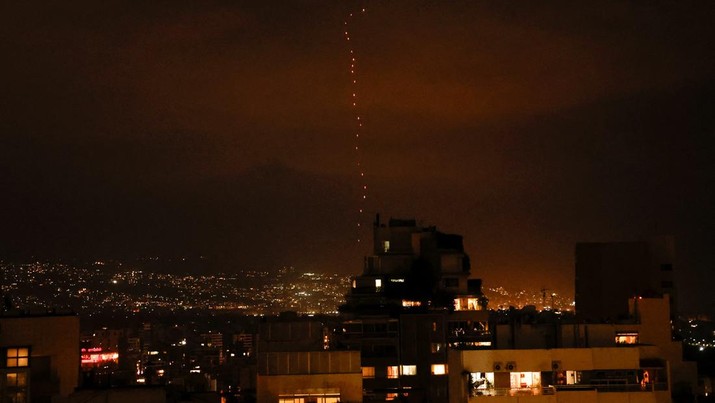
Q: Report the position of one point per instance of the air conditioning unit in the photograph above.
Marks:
(556, 365)
(498, 367)
(511, 366)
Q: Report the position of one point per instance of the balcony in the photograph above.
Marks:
(537, 391)
(552, 390)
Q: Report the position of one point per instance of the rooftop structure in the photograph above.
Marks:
(563, 360)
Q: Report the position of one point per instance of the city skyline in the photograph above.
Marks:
(132, 288)
(225, 129)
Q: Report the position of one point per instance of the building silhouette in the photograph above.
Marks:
(413, 301)
(417, 326)
(608, 274)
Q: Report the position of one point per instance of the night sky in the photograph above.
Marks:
(226, 129)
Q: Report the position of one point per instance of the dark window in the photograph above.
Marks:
(666, 267)
(451, 282)
(666, 284)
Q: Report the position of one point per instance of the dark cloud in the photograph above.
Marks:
(225, 128)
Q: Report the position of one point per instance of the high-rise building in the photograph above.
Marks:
(413, 301)
(414, 266)
(608, 274)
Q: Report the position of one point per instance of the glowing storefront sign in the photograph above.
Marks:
(96, 356)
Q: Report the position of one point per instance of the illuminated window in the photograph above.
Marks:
(17, 357)
(310, 397)
(467, 304)
(368, 372)
(409, 304)
(15, 387)
(16, 379)
(437, 347)
(482, 380)
(573, 377)
(386, 246)
(522, 380)
(439, 369)
(392, 372)
(627, 338)
(409, 370)
(391, 396)
(378, 283)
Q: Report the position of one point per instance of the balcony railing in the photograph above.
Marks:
(616, 387)
(550, 390)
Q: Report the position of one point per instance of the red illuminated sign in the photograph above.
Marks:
(95, 356)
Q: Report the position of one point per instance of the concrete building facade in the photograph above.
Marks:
(607, 374)
(545, 355)
(298, 362)
(40, 357)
